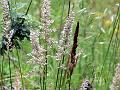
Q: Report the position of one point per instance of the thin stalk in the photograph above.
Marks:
(69, 7)
(45, 68)
(26, 12)
(3, 68)
(59, 31)
(57, 77)
(1, 72)
(111, 38)
(40, 79)
(43, 81)
(1, 77)
(70, 83)
(116, 45)
(58, 71)
(65, 73)
(63, 59)
(20, 69)
(93, 51)
(61, 71)
(10, 71)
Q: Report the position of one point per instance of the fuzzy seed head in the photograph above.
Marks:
(46, 20)
(38, 51)
(6, 16)
(64, 41)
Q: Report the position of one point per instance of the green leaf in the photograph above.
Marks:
(19, 5)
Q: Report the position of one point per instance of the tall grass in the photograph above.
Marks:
(41, 47)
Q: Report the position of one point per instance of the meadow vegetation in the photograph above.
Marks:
(60, 45)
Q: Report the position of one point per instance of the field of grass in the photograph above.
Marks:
(60, 45)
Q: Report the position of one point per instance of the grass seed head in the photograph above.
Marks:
(38, 51)
(6, 16)
(64, 42)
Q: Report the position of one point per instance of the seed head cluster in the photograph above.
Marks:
(38, 51)
(46, 20)
(64, 41)
(6, 23)
(6, 16)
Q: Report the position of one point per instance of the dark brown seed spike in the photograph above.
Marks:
(73, 52)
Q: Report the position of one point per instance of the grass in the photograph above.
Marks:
(98, 39)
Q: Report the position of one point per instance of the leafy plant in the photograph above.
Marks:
(18, 31)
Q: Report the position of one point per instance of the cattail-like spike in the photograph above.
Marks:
(73, 57)
(73, 61)
(73, 52)
(116, 79)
